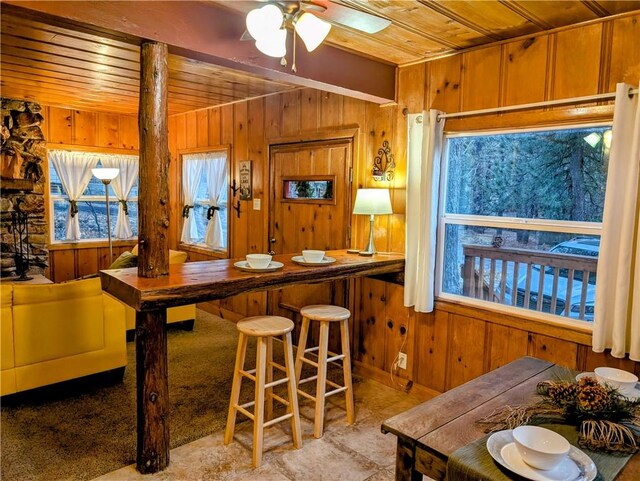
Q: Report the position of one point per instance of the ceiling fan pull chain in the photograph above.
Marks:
(294, 69)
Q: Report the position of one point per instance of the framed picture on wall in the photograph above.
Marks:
(246, 190)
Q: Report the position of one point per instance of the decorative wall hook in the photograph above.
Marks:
(383, 164)
(234, 188)
(237, 208)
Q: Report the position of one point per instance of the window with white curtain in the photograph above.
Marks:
(77, 199)
(521, 217)
(205, 181)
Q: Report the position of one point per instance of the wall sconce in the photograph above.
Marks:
(383, 164)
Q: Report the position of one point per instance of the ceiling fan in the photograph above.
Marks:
(311, 20)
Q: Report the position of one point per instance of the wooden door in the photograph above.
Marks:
(309, 209)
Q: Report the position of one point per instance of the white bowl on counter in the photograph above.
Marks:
(258, 261)
(539, 447)
(624, 381)
(313, 256)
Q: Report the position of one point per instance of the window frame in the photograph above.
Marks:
(50, 198)
(202, 248)
(547, 225)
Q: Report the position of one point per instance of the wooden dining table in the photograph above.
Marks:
(430, 432)
(193, 282)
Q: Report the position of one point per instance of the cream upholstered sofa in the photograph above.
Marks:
(56, 332)
(185, 315)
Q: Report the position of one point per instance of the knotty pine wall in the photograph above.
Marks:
(95, 131)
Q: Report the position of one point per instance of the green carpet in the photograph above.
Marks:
(83, 431)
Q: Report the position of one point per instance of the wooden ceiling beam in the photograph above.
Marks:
(211, 34)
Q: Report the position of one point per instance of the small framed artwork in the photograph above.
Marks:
(246, 190)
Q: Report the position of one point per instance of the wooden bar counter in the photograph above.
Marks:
(200, 282)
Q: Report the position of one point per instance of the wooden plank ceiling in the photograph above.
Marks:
(88, 70)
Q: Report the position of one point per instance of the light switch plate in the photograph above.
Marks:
(256, 204)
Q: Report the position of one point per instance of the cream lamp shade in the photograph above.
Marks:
(312, 30)
(105, 173)
(274, 44)
(372, 202)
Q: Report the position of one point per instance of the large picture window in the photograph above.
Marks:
(205, 193)
(521, 218)
(77, 198)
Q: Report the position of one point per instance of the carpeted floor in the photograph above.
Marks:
(81, 432)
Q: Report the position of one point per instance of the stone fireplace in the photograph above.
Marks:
(23, 183)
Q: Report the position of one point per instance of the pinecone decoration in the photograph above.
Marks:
(587, 382)
(593, 398)
(563, 394)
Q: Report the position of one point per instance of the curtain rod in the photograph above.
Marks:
(574, 100)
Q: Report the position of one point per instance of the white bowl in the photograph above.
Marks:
(539, 447)
(313, 255)
(616, 378)
(258, 261)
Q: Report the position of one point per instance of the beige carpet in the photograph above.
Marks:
(81, 432)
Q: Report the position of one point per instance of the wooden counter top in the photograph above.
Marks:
(209, 280)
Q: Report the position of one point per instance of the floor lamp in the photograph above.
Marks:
(106, 175)
(372, 202)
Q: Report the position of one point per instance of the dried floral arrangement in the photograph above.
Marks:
(606, 419)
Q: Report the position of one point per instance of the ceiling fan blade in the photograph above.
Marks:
(246, 36)
(350, 17)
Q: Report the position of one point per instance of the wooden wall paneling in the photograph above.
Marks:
(505, 344)
(84, 128)
(290, 111)
(60, 122)
(128, 132)
(174, 186)
(444, 84)
(576, 67)
(309, 109)
(86, 261)
(273, 117)
(257, 153)
(589, 360)
(371, 333)
(63, 265)
(553, 349)
(355, 113)
(466, 350)
(108, 130)
(481, 78)
(525, 70)
(202, 128)
(226, 125)
(431, 348)
(330, 109)
(214, 126)
(181, 131)
(399, 319)
(191, 125)
(625, 52)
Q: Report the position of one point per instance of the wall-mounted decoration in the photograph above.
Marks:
(246, 188)
(383, 164)
(310, 188)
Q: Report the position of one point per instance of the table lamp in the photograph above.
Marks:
(372, 202)
(106, 175)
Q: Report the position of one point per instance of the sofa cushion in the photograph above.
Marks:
(57, 320)
(6, 326)
(125, 260)
(175, 257)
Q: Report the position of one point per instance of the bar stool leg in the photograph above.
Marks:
(322, 379)
(235, 388)
(258, 408)
(269, 378)
(296, 431)
(302, 345)
(346, 368)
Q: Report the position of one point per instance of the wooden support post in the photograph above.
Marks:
(153, 215)
(153, 194)
(152, 391)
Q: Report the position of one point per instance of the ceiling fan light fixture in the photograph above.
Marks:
(264, 21)
(274, 44)
(312, 30)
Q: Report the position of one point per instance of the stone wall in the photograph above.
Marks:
(23, 182)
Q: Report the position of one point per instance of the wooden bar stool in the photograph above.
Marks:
(325, 314)
(264, 328)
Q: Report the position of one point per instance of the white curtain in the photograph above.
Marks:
(216, 170)
(423, 185)
(192, 166)
(74, 171)
(122, 185)
(617, 315)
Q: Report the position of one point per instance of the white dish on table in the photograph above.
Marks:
(577, 466)
(273, 266)
(631, 394)
(616, 378)
(300, 260)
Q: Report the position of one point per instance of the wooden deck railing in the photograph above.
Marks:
(487, 271)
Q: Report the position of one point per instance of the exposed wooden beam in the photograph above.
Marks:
(596, 8)
(526, 14)
(205, 32)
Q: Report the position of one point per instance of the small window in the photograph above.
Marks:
(81, 195)
(521, 218)
(312, 189)
(205, 181)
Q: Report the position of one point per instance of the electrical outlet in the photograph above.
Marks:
(402, 360)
